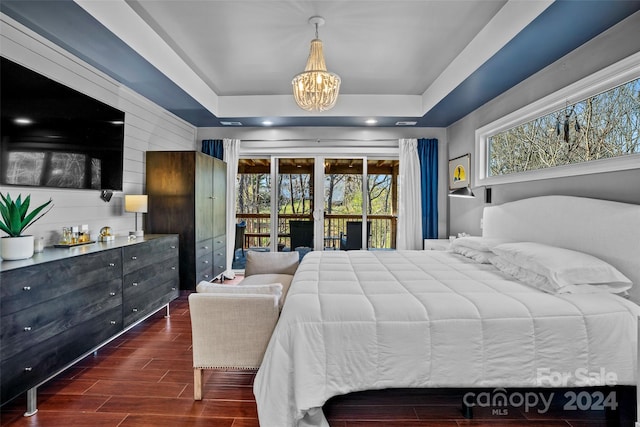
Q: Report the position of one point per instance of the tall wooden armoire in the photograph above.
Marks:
(187, 196)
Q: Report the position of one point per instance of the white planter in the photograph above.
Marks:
(13, 248)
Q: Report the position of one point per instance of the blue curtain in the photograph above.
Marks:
(213, 147)
(428, 155)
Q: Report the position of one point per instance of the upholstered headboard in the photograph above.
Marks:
(605, 229)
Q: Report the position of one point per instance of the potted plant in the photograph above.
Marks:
(15, 219)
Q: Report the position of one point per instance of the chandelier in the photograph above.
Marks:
(316, 89)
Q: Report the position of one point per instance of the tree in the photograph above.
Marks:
(603, 126)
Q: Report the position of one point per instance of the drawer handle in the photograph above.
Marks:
(113, 322)
(26, 288)
(172, 246)
(205, 261)
(134, 257)
(111, 264)
(173, 288)
(205, 247)
(206, 275)
(219, 253)
(113, 294)
(135, 310)
(28, 369)
(219, 241)
(173, 268)
(27, 328)
(134, 284)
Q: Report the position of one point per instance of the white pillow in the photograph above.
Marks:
(484, 244)
(274, 289)
(538, 281)
(564, 269)
(528, 277)
(483, 257)
(476, 248)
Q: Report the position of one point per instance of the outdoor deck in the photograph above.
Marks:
(257, 234)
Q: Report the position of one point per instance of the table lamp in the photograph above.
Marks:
(136, 203)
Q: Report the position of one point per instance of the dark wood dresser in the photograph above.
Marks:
(64, 303)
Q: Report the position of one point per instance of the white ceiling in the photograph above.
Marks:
(395, 58)
(428, 61)
(376, 47)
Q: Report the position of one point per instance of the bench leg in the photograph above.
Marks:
(197, 384)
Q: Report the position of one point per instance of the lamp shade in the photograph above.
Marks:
(135, 203)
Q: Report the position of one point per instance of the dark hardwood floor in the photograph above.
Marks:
(144, 378)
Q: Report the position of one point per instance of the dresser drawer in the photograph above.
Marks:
(219, 264)
(204, 268)
(219, 255)
(148, 279)
(219, 261)
(220, 243)
(26, 287)
(204, 247)
(139, 306)
(148, 253)
(25, 328)
(27, 369)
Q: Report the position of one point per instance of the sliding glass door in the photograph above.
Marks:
(344, 201)
(294, 202)
(253, 207)
(316, 203)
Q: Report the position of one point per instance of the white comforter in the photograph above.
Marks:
(375, 319)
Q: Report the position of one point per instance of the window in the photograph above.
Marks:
(601, 129)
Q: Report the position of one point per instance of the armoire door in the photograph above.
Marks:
(204, 194)
(219, 197)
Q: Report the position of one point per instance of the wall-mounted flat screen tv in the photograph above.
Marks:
(55, 136)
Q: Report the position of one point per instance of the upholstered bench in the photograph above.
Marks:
(270, 267)
(231, 324)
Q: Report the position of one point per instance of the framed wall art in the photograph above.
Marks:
(459, 172)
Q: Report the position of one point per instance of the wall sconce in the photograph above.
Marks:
(106, 195)
(462, 192)
(136, 203)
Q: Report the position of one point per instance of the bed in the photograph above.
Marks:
(364, 320)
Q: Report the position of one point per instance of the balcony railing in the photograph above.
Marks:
(257, 233)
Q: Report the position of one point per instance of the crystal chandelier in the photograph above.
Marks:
(316, 89)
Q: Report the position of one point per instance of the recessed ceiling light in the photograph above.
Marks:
(224, 123)
(267, 122)
(406, 123)
(371, 121)
(117, 122)
(22, 121)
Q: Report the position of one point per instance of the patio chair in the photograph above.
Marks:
(240, 229)
(301, 234)
(354, 235)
